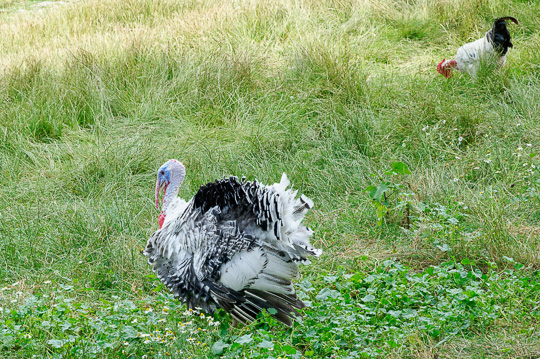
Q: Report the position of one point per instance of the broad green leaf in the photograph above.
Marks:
(400, 168)
(129, 304)
(325, 293)
(56, 343)
(370, 188)
(289, 349)
(272, 311)
(455, 291)
(368, 298)
(409, 313)
(65, 326)
(218, 347)
(244, 339)
(381, 211)
(266, 344)
(46, 324)
(330, 278)
(377, 193)
(129, 333)
(444, 248)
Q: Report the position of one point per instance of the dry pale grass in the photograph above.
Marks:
(511, 340)
(52, 31)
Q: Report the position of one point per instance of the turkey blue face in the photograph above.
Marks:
(164, 175)
(163, 180)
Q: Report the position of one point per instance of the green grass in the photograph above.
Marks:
(96, 95)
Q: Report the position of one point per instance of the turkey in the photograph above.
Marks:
(495, 44)
(235, 245)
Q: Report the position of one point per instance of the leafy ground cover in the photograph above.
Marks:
(439, 177)
(349, 315)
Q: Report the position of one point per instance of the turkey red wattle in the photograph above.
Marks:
(161, 219)
(159, 186)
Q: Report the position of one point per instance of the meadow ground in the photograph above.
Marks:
(427, 190)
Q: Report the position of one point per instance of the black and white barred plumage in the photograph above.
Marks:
(235, 245)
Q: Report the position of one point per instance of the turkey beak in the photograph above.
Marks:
(159, 185)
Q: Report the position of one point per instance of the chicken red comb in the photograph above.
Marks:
(439, 67)
(445, 67)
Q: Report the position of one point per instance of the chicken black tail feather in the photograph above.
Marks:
(500, 36)
(501, 19)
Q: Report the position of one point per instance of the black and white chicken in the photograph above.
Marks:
(494, 45)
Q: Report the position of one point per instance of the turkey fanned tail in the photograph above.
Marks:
(236, 246)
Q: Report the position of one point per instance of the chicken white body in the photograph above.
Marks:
(235, 245)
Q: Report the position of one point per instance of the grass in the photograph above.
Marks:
(96, 95)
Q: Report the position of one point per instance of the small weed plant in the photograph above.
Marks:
(392, 198)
